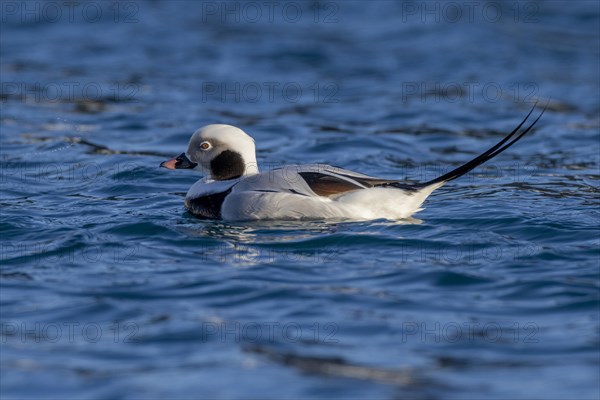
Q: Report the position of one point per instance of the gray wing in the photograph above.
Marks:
(333, 180)
(325, 180)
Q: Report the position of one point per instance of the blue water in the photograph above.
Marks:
(109, 289)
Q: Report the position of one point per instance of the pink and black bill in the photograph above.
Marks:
(179, 162)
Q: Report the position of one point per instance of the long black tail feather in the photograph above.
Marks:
(511, 138)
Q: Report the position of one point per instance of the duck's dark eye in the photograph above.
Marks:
(205, 146)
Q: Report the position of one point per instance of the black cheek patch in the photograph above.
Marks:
(227, 165)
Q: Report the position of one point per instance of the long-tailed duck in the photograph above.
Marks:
(234, 189)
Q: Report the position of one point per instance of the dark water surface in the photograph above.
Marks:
(109, 289)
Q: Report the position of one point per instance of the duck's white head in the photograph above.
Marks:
(220, 151)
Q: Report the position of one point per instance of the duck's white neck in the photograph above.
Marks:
(249, 161)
